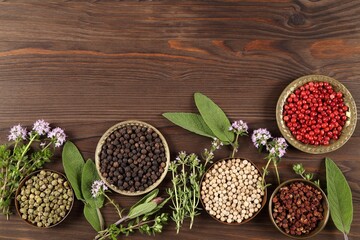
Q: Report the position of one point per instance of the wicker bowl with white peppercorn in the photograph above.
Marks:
(231, 192)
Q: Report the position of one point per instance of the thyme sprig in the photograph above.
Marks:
(187, 171)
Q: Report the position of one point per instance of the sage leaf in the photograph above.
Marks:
(158, 207)
(190, 121)
(214, 118)
(142, 209)
(73, 164)
(339, 196)
(89, 175)
(94, 217)
(147, 198)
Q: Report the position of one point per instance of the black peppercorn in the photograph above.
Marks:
(133, 158)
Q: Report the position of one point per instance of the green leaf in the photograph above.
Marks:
(339, 196)
(158, 207)
(94, 217)
(214, 118)
(73, 164)
(147, 198)
(142, 209)
(190, 121)
(89, 175)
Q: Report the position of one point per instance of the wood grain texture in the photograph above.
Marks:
(87, 65)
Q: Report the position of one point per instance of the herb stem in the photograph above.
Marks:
(27, 146)
(346, 236)
(265, 171)
(185, 196)
(123, 219)
(235, 145)
(194, 195)
(177, 209)
(276, 171)
(114, 204)
(101, 219)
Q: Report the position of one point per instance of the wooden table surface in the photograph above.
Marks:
(86, 66)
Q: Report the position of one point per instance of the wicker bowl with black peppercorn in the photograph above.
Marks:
(299, 208)
(132, 157)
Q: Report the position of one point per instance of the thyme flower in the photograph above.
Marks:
(239, 127)
(41, 127)
(260, 137)
(278, 148)
(58, 136)
(97, 188)
(17, 132)
(275, 146)
(216, 144)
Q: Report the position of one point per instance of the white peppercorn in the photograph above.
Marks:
(231, 191)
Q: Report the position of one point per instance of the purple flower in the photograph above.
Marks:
(17, 132)
(260, 137)
(97, 188)
(41, 127)
(239, 127)
(278, 147)
(58, 135)
(281, 145)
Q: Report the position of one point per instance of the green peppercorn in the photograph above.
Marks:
(45, 199)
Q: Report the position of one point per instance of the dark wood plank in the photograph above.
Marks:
(86, 66)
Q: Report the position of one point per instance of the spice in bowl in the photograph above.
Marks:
(44, 198)
(231, 191)
(298, 207)
(132, 157)
(315, 113)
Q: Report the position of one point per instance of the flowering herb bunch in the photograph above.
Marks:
(276, 148)
(25, 152)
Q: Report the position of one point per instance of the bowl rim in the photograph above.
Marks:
(350, 123)
(264, 199)
(102, 140)
(21, 184)
(325, 204)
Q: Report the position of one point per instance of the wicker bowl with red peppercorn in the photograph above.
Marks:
(316, 114)
(299, 209)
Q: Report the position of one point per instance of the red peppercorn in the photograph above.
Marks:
(315, 113)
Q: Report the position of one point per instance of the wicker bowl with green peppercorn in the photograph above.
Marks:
(44, 198)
